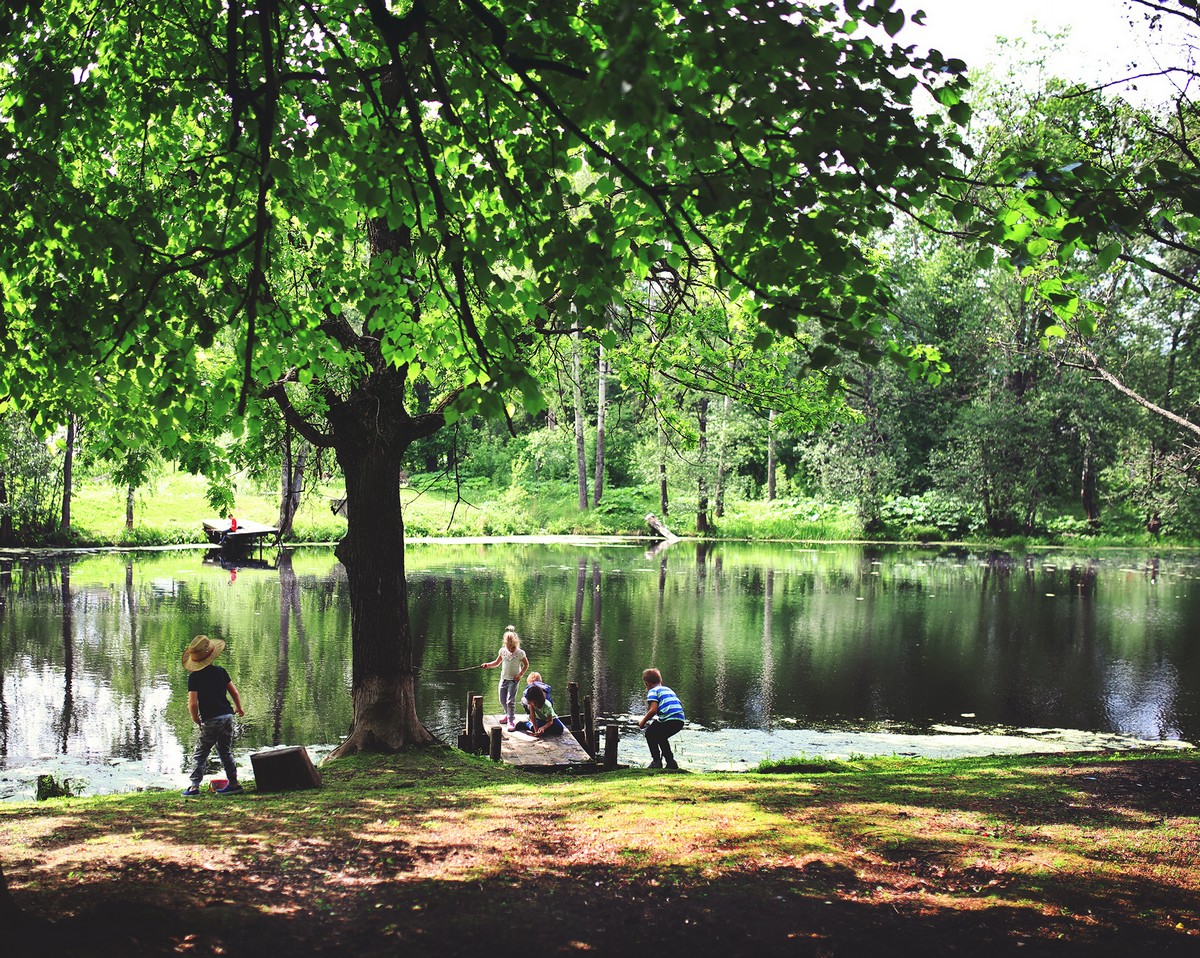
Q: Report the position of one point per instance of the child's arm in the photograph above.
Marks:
(194, 706)
(237, 699)
(490, 665)
(650, 713)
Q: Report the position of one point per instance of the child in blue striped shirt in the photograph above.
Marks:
(664, 717)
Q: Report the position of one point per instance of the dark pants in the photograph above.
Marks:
(657, 734)
(218, 732)
(555, 727)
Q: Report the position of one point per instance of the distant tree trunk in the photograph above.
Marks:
(580, 447)
(771, 456)
(291, 482)
(64, 527)
(601, 408)
(1089, 483)
(702, 524)
(722, 444)
(6, 529)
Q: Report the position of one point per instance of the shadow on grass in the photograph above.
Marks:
(421, 859)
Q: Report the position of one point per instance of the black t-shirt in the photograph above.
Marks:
(209, 684)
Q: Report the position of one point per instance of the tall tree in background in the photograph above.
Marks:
(321, 204)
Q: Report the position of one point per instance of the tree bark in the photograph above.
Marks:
(6, 528)
(64, 526)
(580, 447)
(601, 409)
(702, 524)
(771, 456)
(129, 497)
(372, 431)
(1089, 483)
(723, 444)
(291, 482)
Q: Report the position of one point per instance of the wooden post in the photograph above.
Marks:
(573, 693)
(589, 726)
(471, 715)
(494, 737)
(611, 733)
(479, 736)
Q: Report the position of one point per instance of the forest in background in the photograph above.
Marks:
(1022, 426)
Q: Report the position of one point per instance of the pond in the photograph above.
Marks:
(775, 650)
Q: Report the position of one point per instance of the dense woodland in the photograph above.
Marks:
(1024, 422)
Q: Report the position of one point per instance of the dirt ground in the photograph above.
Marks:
(983, 872)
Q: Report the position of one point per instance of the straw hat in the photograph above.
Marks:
(201, 652)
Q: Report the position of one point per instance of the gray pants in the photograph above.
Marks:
(508, 698)
(218, 732)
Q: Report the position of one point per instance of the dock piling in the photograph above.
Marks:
(611, 735)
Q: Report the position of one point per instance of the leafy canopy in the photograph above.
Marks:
(205, 198)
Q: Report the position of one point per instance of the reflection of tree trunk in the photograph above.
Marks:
(68, 637)
(580, 447)
(767, 679)
(658, 608)
(771, 456)
(601, 409)
(4, 575)
(577, 621)
(289, 601)
(599, 684)
(68, 473)
(131, 605)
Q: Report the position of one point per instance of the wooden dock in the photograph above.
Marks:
(578, 746)
(525, 750)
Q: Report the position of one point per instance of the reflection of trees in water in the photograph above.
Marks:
(289, 603)
(5, 585)
(599, 672)
(1140, 700)
(67, 721)
(577, 620)
(137, 741)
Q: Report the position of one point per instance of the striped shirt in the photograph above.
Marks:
(669, 706)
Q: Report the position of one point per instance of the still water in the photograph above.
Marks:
(775, 650)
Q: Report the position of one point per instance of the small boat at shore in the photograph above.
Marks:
(237, 534)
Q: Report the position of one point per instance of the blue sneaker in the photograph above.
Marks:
(192, 791)
(233, 788)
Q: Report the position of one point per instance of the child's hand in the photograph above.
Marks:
(240, 712)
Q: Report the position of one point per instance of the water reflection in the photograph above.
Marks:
(768, 638)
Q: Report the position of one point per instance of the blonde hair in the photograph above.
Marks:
(511, 639)
(533, 677)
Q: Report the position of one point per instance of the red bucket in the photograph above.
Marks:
(218, 783)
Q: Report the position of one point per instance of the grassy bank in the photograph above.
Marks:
(170, 512)
(442, 853)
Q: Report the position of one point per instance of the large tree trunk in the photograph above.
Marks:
(580, 447)
(601, 408)
(68, 472)
(372, 431)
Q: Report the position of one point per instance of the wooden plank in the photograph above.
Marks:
(523, 750)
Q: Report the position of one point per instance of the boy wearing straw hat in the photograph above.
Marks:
(207, 685)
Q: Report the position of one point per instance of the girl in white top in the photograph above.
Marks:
(513, 664)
